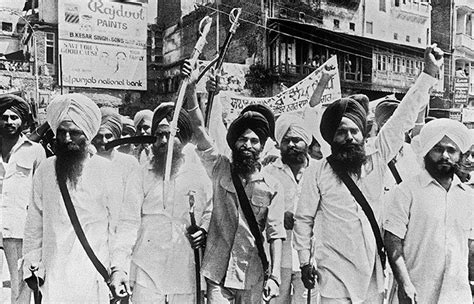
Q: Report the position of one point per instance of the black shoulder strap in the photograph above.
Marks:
(250, 217)
(394, 170)
(79, 232)
(362, 201)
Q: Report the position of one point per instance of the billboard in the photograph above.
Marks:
(102, 43)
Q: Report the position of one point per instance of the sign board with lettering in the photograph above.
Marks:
(293, 99)
(461, 90)
(103, 43)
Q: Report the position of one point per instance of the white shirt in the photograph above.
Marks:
(162, 258)
(16, 182)
(435, 225)
(51, 242)
(346, 251)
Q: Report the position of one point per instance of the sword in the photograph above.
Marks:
(197, 260)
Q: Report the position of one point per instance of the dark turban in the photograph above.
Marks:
(266, 112)
(16, 104)
(166, 111)
(252, 120)
(127, 126)
(385, 109)
(344, 107)
(112, 121)
(363, 100)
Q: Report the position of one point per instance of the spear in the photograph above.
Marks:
(234, 20)
(204, 27)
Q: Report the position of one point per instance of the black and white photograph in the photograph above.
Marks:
(237, 151)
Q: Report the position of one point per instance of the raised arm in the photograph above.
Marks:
(391, 136)
(327, 74)
(202, 139)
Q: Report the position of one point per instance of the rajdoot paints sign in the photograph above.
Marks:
(103, 43)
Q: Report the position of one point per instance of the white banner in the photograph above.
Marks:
(293, 99)
(468, 115)
(103, 43)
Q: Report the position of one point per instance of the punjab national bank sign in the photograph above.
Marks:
(103, 43)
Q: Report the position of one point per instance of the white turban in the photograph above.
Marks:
(435, 130)
(79, 109)
(288, 121)
(143, 115)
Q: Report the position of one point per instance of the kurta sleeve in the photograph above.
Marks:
(398, 212)
(276, 211)
(306, 209)
(210, 159)
(128, 221)
(33, 237)
(471, 232)
(391, 137)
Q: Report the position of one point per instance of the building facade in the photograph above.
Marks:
(379, 43)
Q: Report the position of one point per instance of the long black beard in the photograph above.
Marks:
(243, 164)
(348, 158)
(432, 168)
(294, 156)
(69, 161)
(159, 159)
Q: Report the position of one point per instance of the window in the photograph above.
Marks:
(382, 5)
(407, 38)
(336, 23)
(419, 40)
(370, 27)
(381, 62)
(50, 48)
(7, 27)
(352, 26)
(395, 36)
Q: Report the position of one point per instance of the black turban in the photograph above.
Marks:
(166, 111)
(266, 112)
(344, 107)
(112, 121)
(363, 100)
(16, 104)
(385, 109)
(252, 120)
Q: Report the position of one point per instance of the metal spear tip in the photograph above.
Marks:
(191, 193)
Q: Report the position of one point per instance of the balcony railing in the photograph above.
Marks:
(303, 70)
(466, 41)
(411, 7)
(465, 5)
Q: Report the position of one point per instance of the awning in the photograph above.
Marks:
(17, 56)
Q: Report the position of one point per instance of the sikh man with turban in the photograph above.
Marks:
(232, 265)
(111, 129)
(162, 259)
(142, 121)
(430, 221)
(20, 159)
(51, 248)
(293, 139)
(128, 130)
(348, 265)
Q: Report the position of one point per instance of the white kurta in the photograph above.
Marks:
(435, 225)
(162, 258)
(50, 239)
(346, 252)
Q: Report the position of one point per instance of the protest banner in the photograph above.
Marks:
(102, 43)
(293, 99)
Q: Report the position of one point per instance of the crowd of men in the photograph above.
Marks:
(277, 218)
